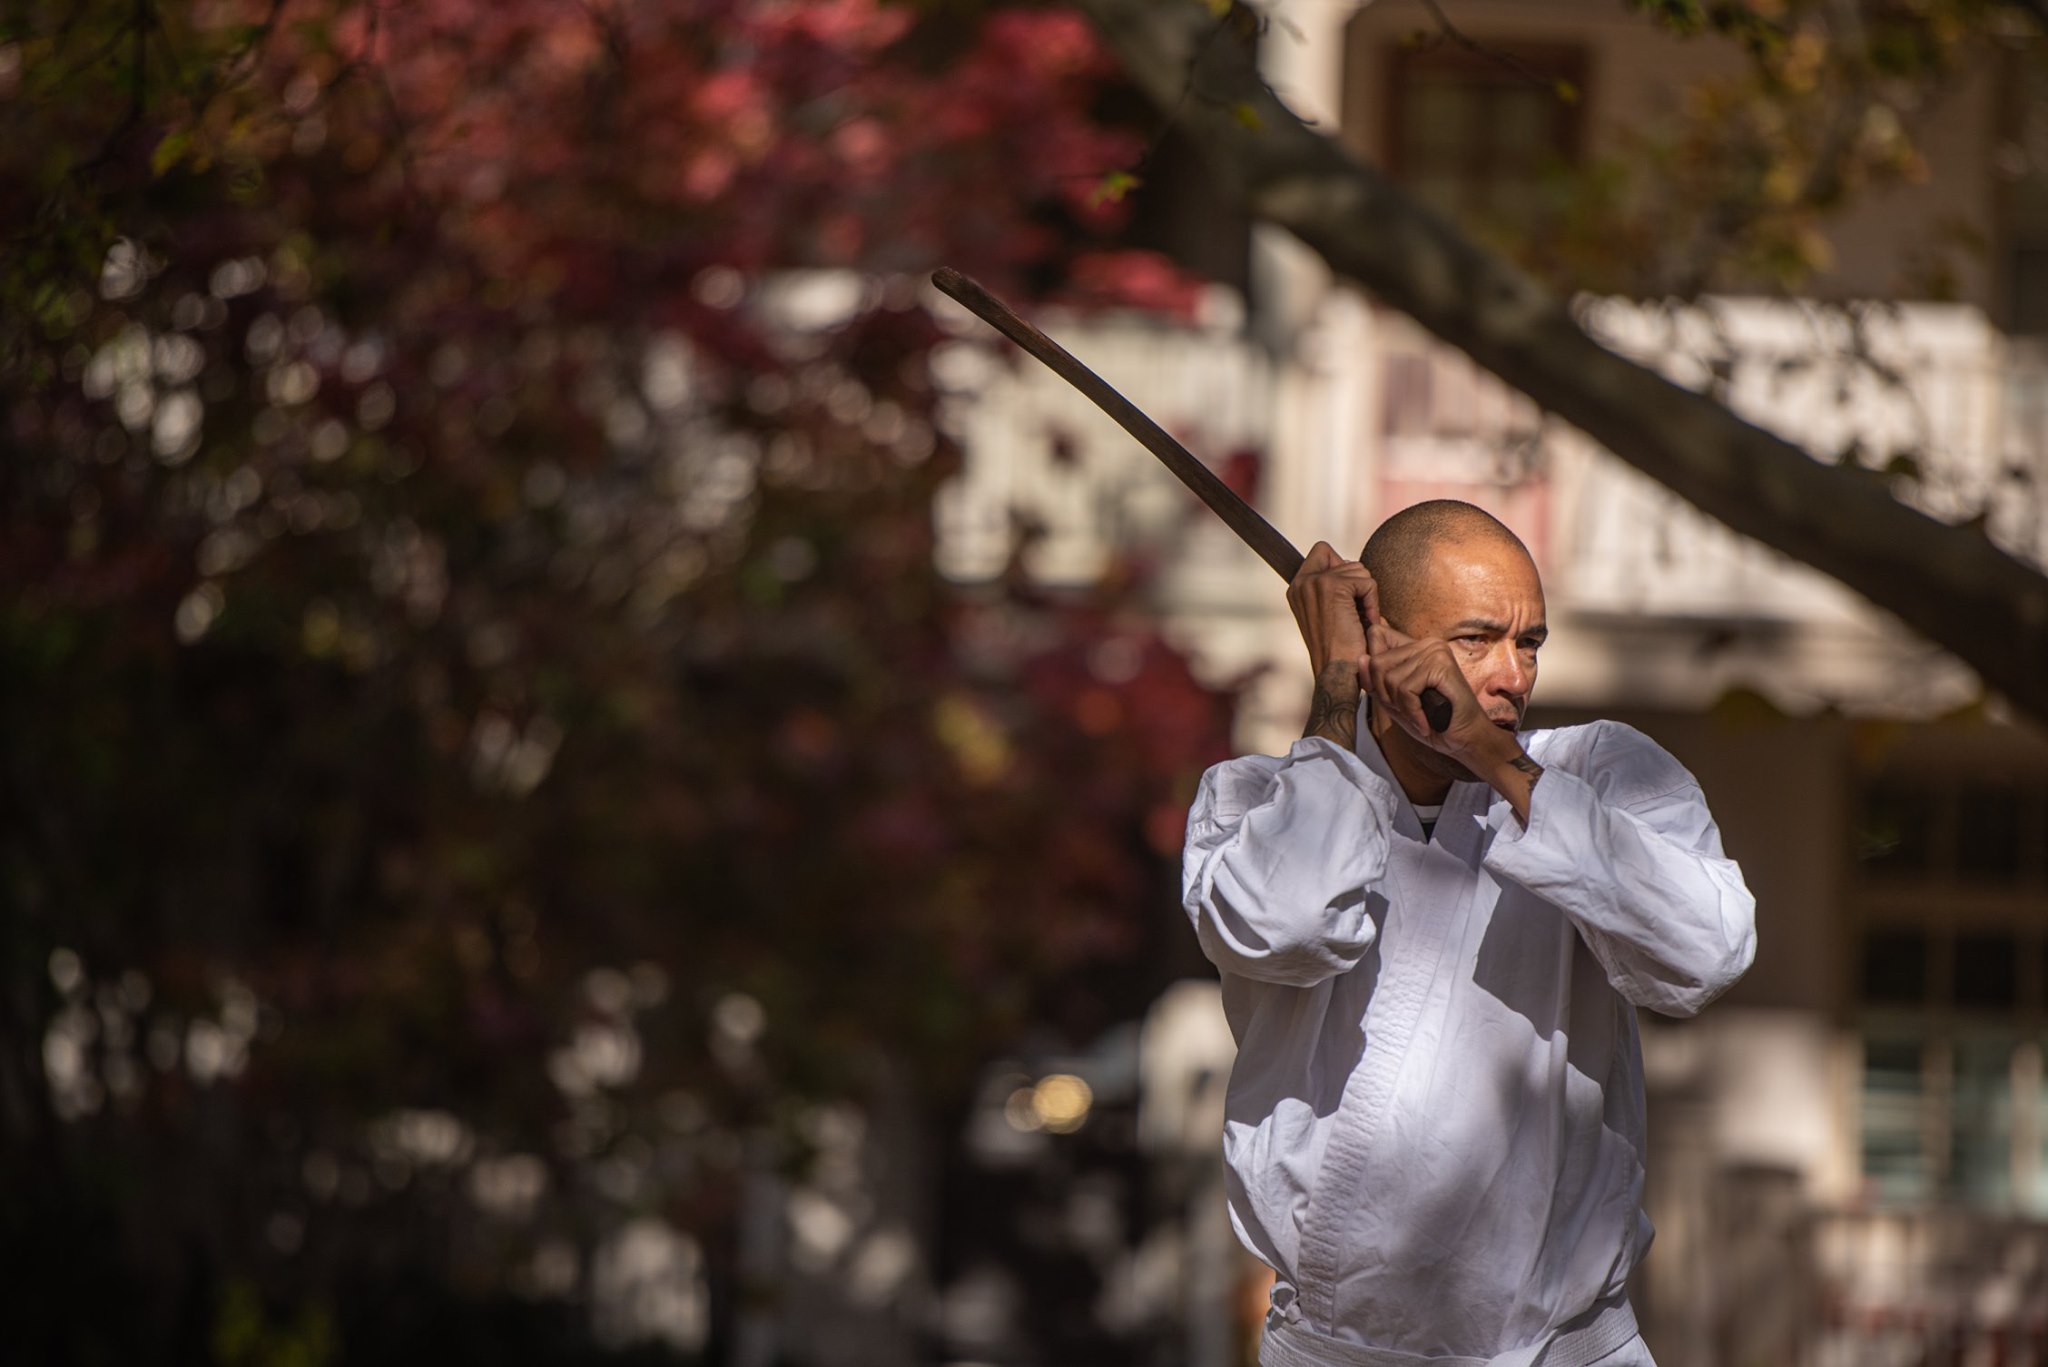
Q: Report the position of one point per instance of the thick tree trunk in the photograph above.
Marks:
(1948, 583)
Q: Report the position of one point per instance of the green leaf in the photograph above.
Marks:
(170, 151)
(1686, 17)
(1112, 188)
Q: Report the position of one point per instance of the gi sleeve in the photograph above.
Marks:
(1630, 853)
(1280, 853)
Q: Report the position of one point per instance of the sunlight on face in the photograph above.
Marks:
(1484, 596)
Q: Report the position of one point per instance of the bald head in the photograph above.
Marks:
(1400, 554)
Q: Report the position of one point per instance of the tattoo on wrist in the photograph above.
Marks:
(1527, 766)
(1333, 715)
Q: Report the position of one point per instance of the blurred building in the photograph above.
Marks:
(1851, 1157)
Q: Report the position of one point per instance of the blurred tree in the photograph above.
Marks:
(486, 750)
(1817, 106)
(1738, 191)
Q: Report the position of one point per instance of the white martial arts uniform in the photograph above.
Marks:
(1435, 1123)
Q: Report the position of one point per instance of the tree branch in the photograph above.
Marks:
(1948, 583)
(1507, 61)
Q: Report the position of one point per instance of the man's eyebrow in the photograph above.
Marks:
(1539, 631)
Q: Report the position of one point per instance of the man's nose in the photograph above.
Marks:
(1510, 676)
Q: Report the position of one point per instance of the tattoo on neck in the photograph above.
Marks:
(1333, 716)
(1527, 766)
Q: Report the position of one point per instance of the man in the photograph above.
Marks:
(1431, 948)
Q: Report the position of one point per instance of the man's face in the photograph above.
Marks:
(1484, 597)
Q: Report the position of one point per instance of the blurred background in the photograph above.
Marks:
(593, 773)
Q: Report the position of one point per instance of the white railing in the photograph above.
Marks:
(1932, 388)
(1039, 452)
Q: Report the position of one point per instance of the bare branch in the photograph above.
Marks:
(1505, 60)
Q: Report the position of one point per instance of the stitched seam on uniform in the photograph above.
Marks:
(1367, 1095)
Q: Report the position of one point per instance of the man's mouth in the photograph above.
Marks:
(1506, 723)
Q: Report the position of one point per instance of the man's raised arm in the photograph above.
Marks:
(1280, 856)
(1280, 852)
(1621, 841)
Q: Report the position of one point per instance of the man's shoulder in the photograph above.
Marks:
(1624, 766)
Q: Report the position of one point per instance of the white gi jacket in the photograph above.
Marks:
(1434, 1132)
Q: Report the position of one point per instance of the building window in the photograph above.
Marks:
(1942, 1115)
(1477, 134)
(1950, 889)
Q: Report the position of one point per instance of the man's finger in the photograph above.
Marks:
(1382, 687)
(1367, 590)
(1416, 695)
(1351, 581)
(1406, 713)
(1403, 687)
(1320, 557)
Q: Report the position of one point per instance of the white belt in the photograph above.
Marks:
(1582, 1341)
